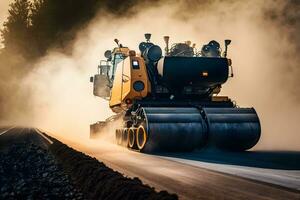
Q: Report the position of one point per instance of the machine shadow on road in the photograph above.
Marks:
(285, 160)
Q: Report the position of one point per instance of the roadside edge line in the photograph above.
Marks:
(7, 130)
(42, 134)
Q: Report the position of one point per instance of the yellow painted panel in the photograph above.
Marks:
(126, 78)
(116, 91)
(123, 83)
(139, 75)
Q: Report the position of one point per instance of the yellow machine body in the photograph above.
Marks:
(123, 92)
(171, 102)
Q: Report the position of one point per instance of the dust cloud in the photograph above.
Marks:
(265, 62)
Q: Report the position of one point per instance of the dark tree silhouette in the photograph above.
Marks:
(54, 22)
(15, 33)
(34, 26)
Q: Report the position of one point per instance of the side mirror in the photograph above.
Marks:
(91, 79)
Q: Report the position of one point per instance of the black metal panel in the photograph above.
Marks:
(198, 71)
(229, 110)
(166, 102)
(170, 110)
(233, 118)
(175, 118)
(174, 115)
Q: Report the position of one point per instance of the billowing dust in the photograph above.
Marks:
(265, 63)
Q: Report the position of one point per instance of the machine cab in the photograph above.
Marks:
(103, 80)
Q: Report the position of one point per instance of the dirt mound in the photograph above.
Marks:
(97, 181)
(28, 171)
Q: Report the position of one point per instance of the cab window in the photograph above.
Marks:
(117, 58)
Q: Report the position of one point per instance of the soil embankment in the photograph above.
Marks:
(33, 168)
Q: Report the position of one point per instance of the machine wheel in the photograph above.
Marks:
(119, 136)
(125, 137)
(132, 138)
(141, 138)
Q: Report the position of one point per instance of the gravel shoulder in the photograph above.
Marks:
(32, 169)
(28, 171)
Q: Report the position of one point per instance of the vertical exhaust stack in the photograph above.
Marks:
(227, 42)
(148, 37)
(166, 39)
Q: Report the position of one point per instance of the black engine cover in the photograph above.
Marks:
(178, 72)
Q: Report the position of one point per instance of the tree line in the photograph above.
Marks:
(33, 26)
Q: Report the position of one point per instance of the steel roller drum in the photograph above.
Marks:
(235, 129)
(173, 129)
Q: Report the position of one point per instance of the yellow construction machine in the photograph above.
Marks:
(170, 102)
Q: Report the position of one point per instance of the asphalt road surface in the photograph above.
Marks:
(22, 134)
(207, 174)
(199, 175)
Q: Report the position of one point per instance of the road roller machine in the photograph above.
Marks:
(169, 101)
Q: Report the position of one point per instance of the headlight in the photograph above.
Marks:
(138, 86)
